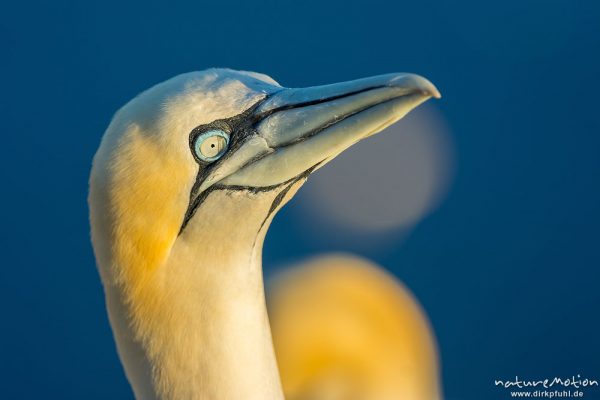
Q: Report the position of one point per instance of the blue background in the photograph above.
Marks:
(507, 267)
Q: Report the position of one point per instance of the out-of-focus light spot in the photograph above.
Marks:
(389, 181)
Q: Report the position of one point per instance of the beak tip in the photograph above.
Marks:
(430, 90)
(419, 84)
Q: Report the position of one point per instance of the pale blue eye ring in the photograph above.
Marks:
(211, 145)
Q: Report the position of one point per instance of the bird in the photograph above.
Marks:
(345, 329)
(183, 187)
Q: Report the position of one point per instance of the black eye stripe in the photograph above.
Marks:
(239, 127)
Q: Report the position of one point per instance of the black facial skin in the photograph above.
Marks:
(240, 127)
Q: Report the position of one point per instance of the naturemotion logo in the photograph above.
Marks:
(556, 387)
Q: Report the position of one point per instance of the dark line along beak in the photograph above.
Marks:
(298, 130)
(303, 127)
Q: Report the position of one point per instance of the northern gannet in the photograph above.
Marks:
(344, 329)
(184, 185)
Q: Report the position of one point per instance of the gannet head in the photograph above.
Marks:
(221, 130)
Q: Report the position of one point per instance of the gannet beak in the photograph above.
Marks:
(302, 129)
(292, 132)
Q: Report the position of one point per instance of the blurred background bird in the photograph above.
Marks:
(344, 329)
(183, 188)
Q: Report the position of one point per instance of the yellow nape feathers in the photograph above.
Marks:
(344, 329)
(143, 171)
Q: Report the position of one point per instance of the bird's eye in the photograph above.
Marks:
(211, 145)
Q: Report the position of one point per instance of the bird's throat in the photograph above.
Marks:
(200, 328)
